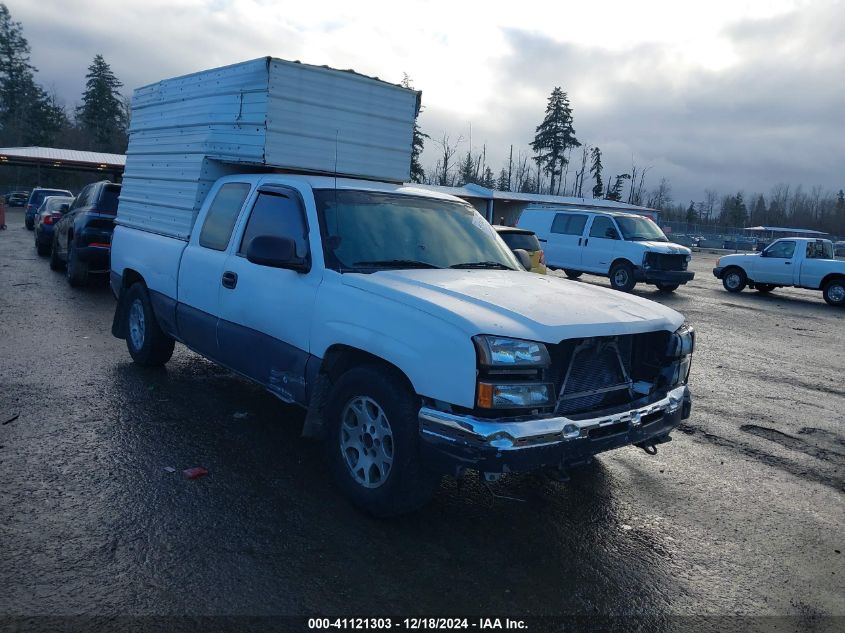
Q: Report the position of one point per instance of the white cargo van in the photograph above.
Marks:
(396, 316)
(625, 247)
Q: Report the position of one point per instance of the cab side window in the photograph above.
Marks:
(221, 217)
(603, 227)
(782, 250)
(277, 214)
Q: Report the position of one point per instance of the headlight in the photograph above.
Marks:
(496, 351)
(515, 396)
(681, 342)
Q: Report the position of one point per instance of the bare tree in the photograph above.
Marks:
(448, 148)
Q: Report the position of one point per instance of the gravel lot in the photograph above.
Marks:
(742, 514)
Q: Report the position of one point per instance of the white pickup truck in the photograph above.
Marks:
(396, 316)
(624, 247)
(408, 330)
(794, 261)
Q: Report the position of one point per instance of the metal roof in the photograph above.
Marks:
(55, 157)
(784, 229)
(477, 191)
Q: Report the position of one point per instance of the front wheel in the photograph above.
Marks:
(834, 292)
(622, 277)
(372, 442)
(667, 287)
(572, 274)
(148, 345)
(734, 280)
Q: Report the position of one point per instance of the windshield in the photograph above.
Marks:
(639, 228)
(52, 203)
(372, 230)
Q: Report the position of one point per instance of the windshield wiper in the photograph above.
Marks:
(395, 263)
(498, 265)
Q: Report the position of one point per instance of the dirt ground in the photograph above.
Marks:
(741, 515)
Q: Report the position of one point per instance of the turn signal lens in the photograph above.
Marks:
(514, 396)
(485, 395)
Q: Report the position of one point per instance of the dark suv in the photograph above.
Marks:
(35, 199)
(82, 238)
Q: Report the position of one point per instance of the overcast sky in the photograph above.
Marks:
(724, 94)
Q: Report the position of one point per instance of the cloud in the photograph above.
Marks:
(725, 94)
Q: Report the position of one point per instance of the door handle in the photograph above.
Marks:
(586, 239)
(579, 241)
(230, 279)
(540, 239)
(787, 263)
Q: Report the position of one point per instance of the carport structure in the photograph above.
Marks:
(64, 159)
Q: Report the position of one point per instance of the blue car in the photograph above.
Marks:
(48, 214)
(35, 199)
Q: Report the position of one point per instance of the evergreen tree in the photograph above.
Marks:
(615, 192)
(758, 213)
(595, 171)
(418, 139)
(466, 170)
(734, 211)
(503, 183)
(555, 135)
(28, 116)
(692, 214)
(489, 180)
(102, 114)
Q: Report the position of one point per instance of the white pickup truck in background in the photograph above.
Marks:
(794, 261)
(625, 247)
(395, 316)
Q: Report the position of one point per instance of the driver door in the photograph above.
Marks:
(776, 264)
(600, 245)
(266, 313)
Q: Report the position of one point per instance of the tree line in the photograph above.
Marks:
(560, 164)
(32, 115)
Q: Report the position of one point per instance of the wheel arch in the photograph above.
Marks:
(730, 267)
(338, 359)
(830, 277)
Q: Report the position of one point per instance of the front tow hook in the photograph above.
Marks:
(650, 447)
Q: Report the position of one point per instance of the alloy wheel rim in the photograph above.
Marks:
(837, 293)
(733, 280)
(621, 277)
(366, 442)
(136, 324)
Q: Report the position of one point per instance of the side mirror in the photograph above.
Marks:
(611, 234)
(276, 252)
(523, 257)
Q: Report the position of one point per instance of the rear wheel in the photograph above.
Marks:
(41, 248)
(147, 343)
(572, 274)
(834, 292)
(55, 262)
(667, 287)
(622, 277)
(76, 271)
(764, 288)
(372, 443)
(734, 280)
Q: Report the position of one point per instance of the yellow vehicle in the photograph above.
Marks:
(526, 240)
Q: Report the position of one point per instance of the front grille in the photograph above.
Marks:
(666, 261)
(594, 374)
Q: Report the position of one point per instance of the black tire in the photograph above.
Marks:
(42, 249)
(55, 261)
(572, 274)
(408, 484)
(764, 289)
(148, 345)
(834, 292)
(76, 271)
(30, 224)
(667, 287)
(734, 280)
(622, 277)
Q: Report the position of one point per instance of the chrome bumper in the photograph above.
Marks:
(522, 433)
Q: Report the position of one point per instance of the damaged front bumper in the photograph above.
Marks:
(452, 442)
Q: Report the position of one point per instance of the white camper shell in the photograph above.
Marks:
(265, 114)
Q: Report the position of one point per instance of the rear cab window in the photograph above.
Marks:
(525, 241)
(222, 215)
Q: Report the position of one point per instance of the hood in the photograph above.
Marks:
(666, 247)
(522, 305)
